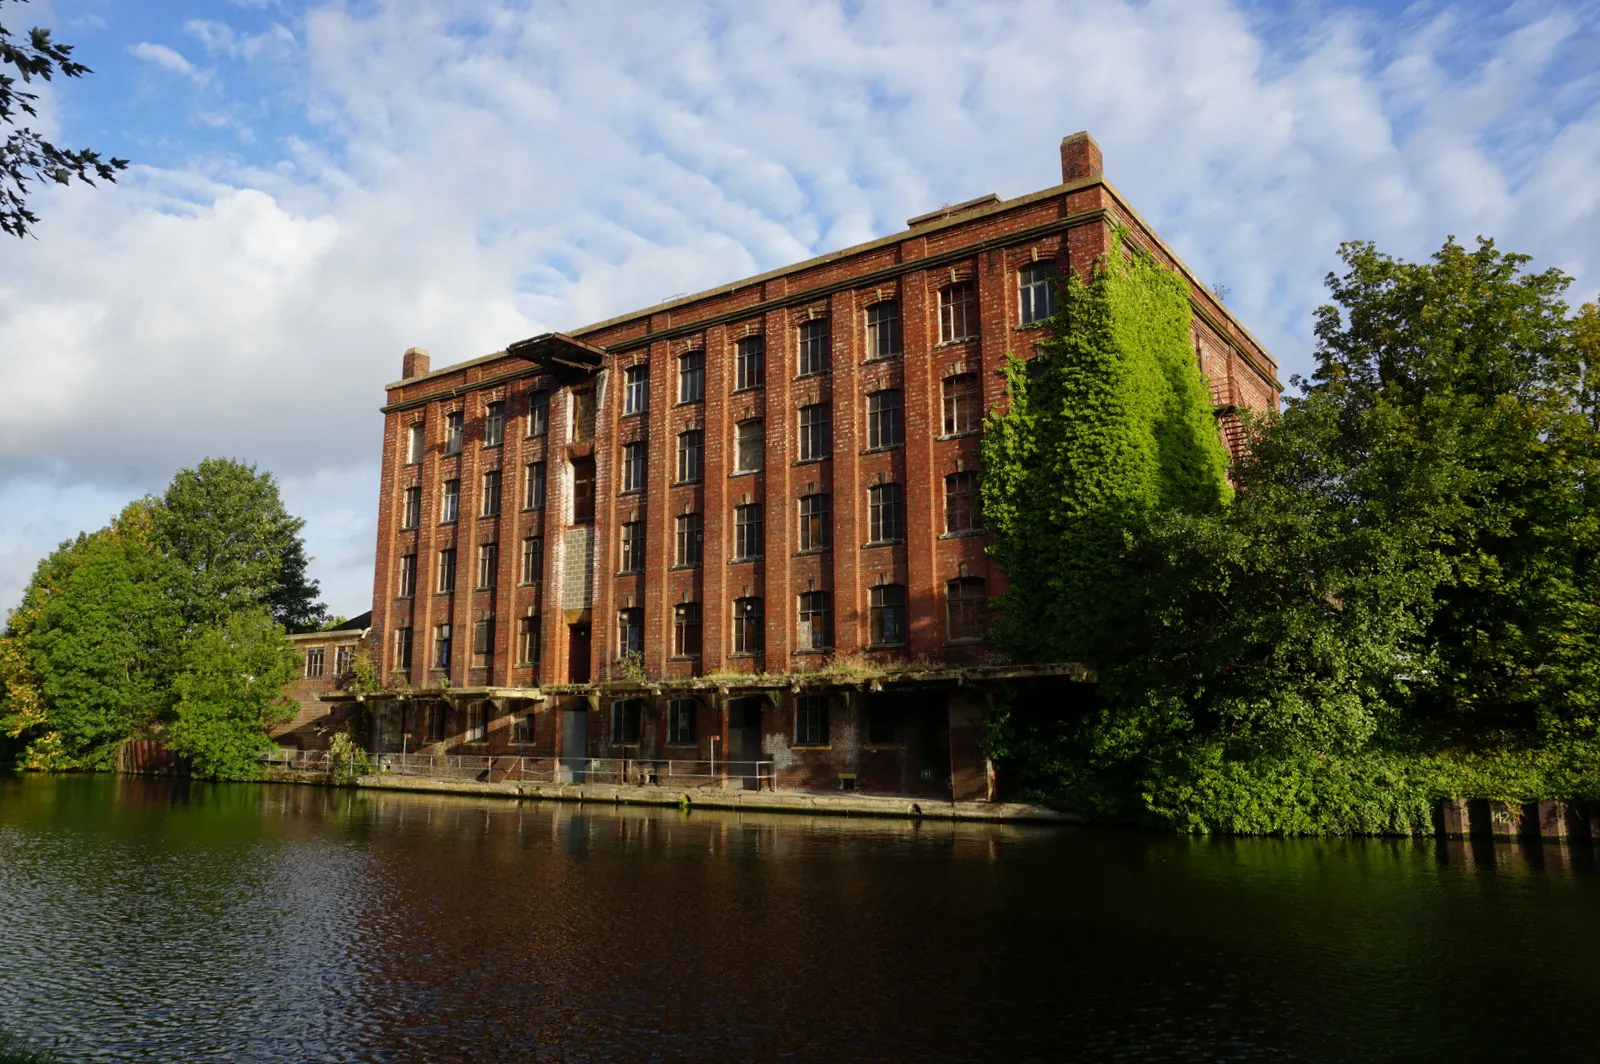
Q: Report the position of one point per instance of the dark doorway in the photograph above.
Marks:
(744, 740)
(583, 491)
(578, 653)
(574, 745)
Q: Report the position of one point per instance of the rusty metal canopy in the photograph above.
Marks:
(558, 351)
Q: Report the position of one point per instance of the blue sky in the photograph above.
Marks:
(317, 186)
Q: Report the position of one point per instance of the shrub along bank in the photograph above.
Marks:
(1396, 602)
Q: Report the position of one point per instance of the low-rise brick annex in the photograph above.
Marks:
(690, 532)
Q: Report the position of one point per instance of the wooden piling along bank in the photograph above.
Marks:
(1551, 821)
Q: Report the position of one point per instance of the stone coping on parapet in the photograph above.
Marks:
(899, 807)
(725, 684)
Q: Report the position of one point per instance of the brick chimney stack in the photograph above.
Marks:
(415, 361)
(1080, 158)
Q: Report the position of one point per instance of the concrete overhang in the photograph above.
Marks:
(558, 353)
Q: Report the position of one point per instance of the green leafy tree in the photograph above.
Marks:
(27, 157)
(230, 690)
(225, 526)
(88, 655)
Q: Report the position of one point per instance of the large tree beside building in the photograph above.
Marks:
(1402, 600)
(26, 157)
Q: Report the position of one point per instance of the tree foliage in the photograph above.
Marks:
(27, 157)
(225, 525)
(1399, 603)
(230, 690)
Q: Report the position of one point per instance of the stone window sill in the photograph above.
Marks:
(631, 572)
(963, 534)
(812, 461)
(745, 473)
(681, 568)
(747, 561)
(688, 483)
(811, 746)
(630, 491)
(963, 434)
(814, 650)
(881, 450)
(813, 373)
(958, 342)
(883, 543)
(812, 550)
(684, 657)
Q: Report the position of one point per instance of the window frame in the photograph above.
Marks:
(812, 351)
(410, 508)
(635, 465)
(1035, 281)
(477, 729)
(886, 512)
(963, 404)
(636, 389)
(630, 630)
(811, 714)
(974, 610)
(446, 584)
(886, 420)
(416, 442)
(534, 484)
(454, 429)
(749, 532)
(954, 509)
(627, 718)
(316, 661)
(491, 493)
(529, 640)
(402, 648)
(407, 580)
(887, 615)
(815, 426)
(688, 631)
(692, 375)
(488, 566)
(532, 559)
(689, 541)
(691, 453)
(442, 640)
(883, 325)
(538, 413)
(746, 448)
(820, 517)
(494, 424)
(957, 312)
(450, 501)
(681, 719)
(631, 544)
(749, 362)
(749, 625)
(816, 621)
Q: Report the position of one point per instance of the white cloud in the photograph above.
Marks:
(164, 57)
(470, 172)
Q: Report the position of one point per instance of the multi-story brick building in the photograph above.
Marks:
(759, 480)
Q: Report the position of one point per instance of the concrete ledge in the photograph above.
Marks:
(898, 807)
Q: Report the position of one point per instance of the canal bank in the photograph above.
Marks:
(799, 802)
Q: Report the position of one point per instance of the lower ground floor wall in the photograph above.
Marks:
(917, 742)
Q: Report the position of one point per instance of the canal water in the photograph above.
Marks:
(156, 920)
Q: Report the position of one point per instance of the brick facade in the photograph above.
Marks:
(579, 589)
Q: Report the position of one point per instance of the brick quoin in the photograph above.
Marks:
(985, 242)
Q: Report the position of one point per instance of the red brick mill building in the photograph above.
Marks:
(741, 526)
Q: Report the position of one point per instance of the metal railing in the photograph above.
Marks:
(672, 773)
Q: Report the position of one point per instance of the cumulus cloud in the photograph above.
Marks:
(460, 174)
(164, 57)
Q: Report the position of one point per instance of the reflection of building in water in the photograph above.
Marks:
(723, 528)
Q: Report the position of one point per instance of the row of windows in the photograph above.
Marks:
(528, 645)
(316, 661)
(810, 721)
(958, 321)
(966, 618)
(885, 524)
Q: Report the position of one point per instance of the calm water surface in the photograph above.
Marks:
(145, 919)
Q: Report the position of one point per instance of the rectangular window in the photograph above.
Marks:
(749, 532)
(811, 720)
(885, 419)
(750, 362)
(491, 493)
(532, 559)
(1036, 286)
(816, 432)
(528, 641)
(966, 608)
(886, 513)
(441, 646)
(691, 540)
(477, 723)
(483, 636)
(436, 724)
(625, 714)
(813, 347)
(816, 621)
(691, 456)
(533, 487)
(630, 631)
(961, 502)
(883, 329)
(583, 491)
(494, 425)
(411, 508)
(749, 626)
(680, 720)
(402, 649)
(314, 661)
(686, 629)
(450, 502)
(408, 576)
(635, 389)
(583, 406)
(416, 436)
(958, 316)
(343, 661)
(452, 433)
(538, 413)
(963, 404)
(632, 547)
(488, 564)
(886, 606)
(749, 446)
(813, 522)
(447, 569)
(634, 456)
(691, 376)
